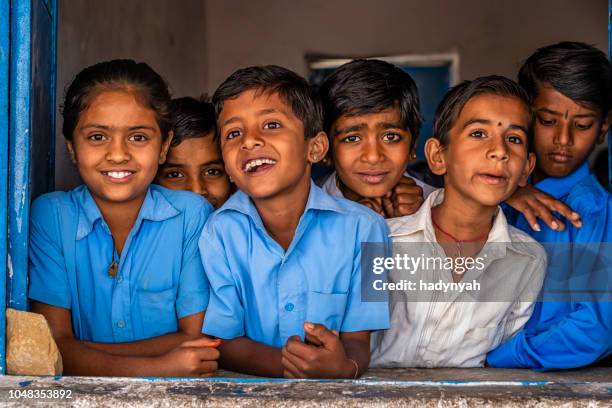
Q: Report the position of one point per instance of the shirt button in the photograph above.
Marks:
(121, 324)
(289, 307)
(119, 279)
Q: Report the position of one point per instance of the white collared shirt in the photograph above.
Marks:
(330, 185)
(454, 331)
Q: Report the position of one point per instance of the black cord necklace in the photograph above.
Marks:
(114, 266)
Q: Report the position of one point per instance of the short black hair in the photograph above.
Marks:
(292, 89)
(361, 87)
(119, 74)
(458, 96)
(579, 71)
(191, 118)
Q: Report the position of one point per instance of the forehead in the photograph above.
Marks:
(551, 99)
(499, 109)
(195, 150)
(388, 116)
(253, 102)
(118, 108)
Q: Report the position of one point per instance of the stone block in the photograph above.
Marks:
(30, 348)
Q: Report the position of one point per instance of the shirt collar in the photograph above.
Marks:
(317, 200)
(155, 207)
(560, 186)
(421, 221)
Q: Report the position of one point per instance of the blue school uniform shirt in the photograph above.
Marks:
(260, 291)
(566, 334)
(160, 277)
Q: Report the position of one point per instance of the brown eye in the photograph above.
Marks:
(97, 137)
(174, 175)
(350, 139)
(138, 137)
(546, 122)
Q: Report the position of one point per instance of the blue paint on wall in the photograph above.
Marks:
(4, 140)
(19, 152)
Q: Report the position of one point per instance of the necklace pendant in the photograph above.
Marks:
(112, 269)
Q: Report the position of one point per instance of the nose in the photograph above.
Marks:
(118, 151)
(198, 186)
(498, 149)
(564, 135)
(372, 152)
(251, 139)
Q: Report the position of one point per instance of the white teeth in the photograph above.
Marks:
(256, 163)
(118, 174)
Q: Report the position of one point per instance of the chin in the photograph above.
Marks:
(372, 191)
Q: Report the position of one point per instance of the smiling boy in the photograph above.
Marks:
(480, 146)
(570, 85)
(283, 257)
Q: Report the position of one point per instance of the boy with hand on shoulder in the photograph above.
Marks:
(570, 85)
(194, 160)
(481, 147)
(372, 119)
(283, 257)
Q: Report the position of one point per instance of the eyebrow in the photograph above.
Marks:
(258, 113)
(555, 113)
(134, 127)
(352, 128)
(488, 122)
(389, 125)
(180, 165)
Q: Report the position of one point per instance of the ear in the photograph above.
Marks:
(317, 147)
(434, 152)
(529, 166)
(605, 126)
(70, 147)
(165, 147)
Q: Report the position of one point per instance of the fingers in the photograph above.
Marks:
(531, 218)
(296, 347)
(202, 342)
(207, 368)
(546, 215)
(290, 363)
(327, 337)
(407, 199)
(373, 205)
(205, 354)
(561, 208)
(387, 204)
(310, 339)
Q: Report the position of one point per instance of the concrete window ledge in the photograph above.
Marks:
(378, 388)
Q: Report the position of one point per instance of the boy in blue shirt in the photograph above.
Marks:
(571, 89)
(282, 257)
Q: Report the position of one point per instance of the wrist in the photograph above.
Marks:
(351, 369)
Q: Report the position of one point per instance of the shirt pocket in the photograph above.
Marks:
(327, 309)
(158, 311)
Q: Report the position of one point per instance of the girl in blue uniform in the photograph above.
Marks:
(114, 263)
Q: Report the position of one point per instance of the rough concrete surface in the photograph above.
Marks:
(379, 388)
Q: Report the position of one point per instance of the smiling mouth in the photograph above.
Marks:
(257, 166)
(493, 179)
(118, 175)
(372, 177)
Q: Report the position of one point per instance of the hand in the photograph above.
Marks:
(533, 203)
(375, 204)
(404, 199)
(193, 358)
(322, 355)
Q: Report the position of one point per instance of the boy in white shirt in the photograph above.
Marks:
(481, 148)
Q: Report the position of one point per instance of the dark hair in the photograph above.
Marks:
(120, 74)
(292, 89)
(364, 86)
(577, 70)
(191, 118)
(458, 96)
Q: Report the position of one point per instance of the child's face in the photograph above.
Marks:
(196, 165)
(117, 147)
(565, 132)
(263, 145)
(486, 157)
(370, 152)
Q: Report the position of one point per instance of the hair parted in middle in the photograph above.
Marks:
(292, 89)
(458, 96)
